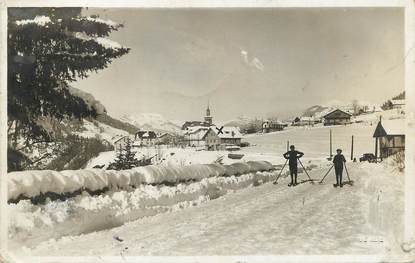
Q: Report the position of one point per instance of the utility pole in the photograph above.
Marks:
(331, 147)
(351, 156)
(288, 145)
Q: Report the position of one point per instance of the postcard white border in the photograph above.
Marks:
(410, 123)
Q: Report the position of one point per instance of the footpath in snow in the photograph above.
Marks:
(267, 219)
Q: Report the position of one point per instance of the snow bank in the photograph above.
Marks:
(38, 20)
(32, 224)
(28, 184)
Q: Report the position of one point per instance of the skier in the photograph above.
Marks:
(292, 155)
(338, 161)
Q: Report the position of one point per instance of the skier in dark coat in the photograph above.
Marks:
(292, 155)
(339, 161)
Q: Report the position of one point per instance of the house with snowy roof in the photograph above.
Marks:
(304, 121)
(217, 138)
(145, 138)
(194, 136)
(389, 137)
(398, 104)
(270, 126)
(337, 117)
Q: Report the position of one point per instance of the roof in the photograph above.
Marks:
(228, 132)
(195, 129)
(328, 115)
(164, 134)
(398, 102)
(390, 127)
(189, 124)
(117, 138)
(306, 118)
(146, 134)
(273, 122)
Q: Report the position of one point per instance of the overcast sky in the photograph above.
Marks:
(251, 62)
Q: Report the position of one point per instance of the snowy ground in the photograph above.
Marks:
(268, 219)
(198, 219)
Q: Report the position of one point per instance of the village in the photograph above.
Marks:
(205, 135)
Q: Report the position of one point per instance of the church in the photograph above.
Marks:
(208, 121)
(206, 134)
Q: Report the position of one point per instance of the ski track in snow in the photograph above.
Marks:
(268, 219)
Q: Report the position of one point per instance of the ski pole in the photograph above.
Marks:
(326, 174)
(347, 172)
(305, 170)
(276, 180)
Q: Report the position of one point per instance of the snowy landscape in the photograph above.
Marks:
(85, 179)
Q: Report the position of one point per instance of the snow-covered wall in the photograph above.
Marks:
(28, 184)
(31, 224)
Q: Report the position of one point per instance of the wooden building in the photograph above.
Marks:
(304, 121)
(389, 137)
(336, 117)
(229, 135)
(398, 104)
(145, 138)
(217, 138)
(270, 126)
(194, 136)
(212, 140)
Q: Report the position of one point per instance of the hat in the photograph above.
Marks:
(339, 150)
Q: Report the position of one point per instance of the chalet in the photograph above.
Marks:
(270, 126)
(229, 135)
(212, 140)
(217, 138)
(336, 117)
(390, 136)
(194, 136)
(304, 121)
(145, 138)
(165, 138)
(398, 104)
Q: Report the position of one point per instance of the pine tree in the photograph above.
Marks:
(125, 158)
(48, 48)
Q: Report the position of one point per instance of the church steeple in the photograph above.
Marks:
(208, 110)
(208, 118)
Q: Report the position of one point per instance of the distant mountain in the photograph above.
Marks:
(314, 110)
(239, 121)
(151, 121)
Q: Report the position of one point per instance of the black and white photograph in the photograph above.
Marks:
(214, 131)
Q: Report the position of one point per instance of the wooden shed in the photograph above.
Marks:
(389, 137)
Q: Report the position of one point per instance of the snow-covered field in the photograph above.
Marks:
(202, 209)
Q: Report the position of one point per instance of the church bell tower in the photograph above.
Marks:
(208, 118)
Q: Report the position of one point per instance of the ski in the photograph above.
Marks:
(308, 180)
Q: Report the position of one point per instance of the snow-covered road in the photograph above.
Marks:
(268, 219)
